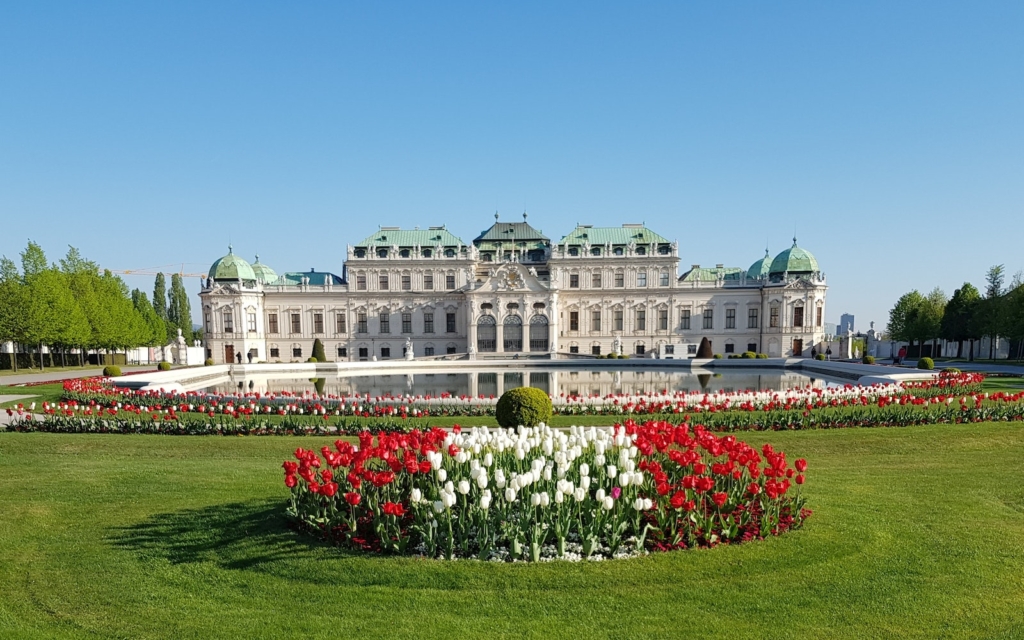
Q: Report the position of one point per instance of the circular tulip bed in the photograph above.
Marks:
(539, 493)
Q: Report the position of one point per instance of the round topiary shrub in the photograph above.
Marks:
(164, 366)
(925, 363)
(209, 362)
(762, 356)
(523, 406)
(717, 356)
(868, 360)
(953, 371)
(820, 356)
(749, 355)
(111, 371)
(311, 359)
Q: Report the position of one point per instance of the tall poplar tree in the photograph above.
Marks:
(179, 311)
(160, 296)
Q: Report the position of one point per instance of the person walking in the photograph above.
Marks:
(828, 353)
(901, 355)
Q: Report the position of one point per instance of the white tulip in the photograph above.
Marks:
(488, 459)
(630, 465)
(584, 469)
(545, 499)
(510, 495)
(485, 502)
(481, 480)
(535, 500)
(625, 478)
(638, 478)
(599, 460)
(611, 471)
(442, 475)
(415, 496)
(608, 503)
(559, 497)
(648, 503)
(638, 504)
(599, 495)
(547, 474)
(438, 506)
(580, 494)
(585, 483)
(449, 487)
(463, 487)
(499, 478)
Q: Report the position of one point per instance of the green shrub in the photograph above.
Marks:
(868, 360)
(762, 356)
(318, 351)
(820, 356)
(311, 359)
(209, 362)
(525, 406)
(164, 366)
(925, 363)
(749, 355)
(623, 356)
(704, 350)
(111, 371)
(717, 356)
(952, 370)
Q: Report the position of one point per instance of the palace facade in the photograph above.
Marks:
(419, 293)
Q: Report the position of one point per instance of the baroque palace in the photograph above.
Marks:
(513, 292)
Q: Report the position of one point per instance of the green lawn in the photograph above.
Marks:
(1003, 383)
(40, 393)
(917, 532)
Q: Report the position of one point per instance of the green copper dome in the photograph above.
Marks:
(263, 273)
(231, 267)
(760, 268)
(794, 260)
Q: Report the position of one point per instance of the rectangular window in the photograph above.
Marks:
(385, 322)
(641, 320)
(450, 349)
(620, 279)
(449, 282)
(574, 349)
(318, 323)
(364, 353)
(595, 320)
(250, 321)
(361, 323)
(773, 318)
(730, 347)
(406, 282)
(691, 349)
(297, 352)
(574, 321)
(361, 282)
(340, 323)
(664, 278)
(296, 323)
(428, 281)
(752, 347)
(385, 353)
(595, 350)
(798, 317)
(428, 323)
(730, 318)
(574, 281)
(207, 322)
(382, 282)
(663, 319)
(709, 318)
(229, 322)
(751, 318)
(450, 322)
(670, 349)
(406, 323)
(617, 319)
(272, 322)
(342, 352)
(640, 349)
(641, 278)
(428, 351)
(684, 320)
(818, 318)
(595, 280)
(275, 352)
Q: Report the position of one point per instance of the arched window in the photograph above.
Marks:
(618, 251)
(539, 333)
(449, 253)
(641, 251)
(513, 333)
(574, 251)
(486, 334)
(360, 253)
(427, 253)
(404, 253)
(382, 253)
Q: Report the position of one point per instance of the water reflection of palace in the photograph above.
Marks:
(554, 382)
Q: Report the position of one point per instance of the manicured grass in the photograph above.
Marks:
(1003, 383)
(917, 532)
(41, 393)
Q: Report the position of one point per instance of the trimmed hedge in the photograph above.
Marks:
(111, 371)
(208, 362)
(868, 360)
(164, 366)
(704, 350)
(523, 406)
(820, 356)
(925, 363)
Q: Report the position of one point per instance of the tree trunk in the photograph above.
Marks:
(14, 355)
(959, 349)
(41, 356)
(970, 357)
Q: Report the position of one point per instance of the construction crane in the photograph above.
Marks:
(152, 271)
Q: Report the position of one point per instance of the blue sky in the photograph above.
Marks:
(888, 135)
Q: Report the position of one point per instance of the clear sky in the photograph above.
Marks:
(888, 135)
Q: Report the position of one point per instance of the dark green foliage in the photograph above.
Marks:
(311, 359)
(717, 356)
(704, 350)
(164, 366)
(868, 360)
(208, 362)
(524, 406)
(318, 352)
(820, 356)
(749, 355)
(160, 296)
(952, 370)
(179, 311)
(925, 363)
(111, 371)
(762, 356)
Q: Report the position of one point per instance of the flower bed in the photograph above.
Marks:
(500, 494)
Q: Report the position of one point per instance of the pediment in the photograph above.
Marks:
(512, 277)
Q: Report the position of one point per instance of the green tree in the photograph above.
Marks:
(33, 261)
(902, 316)
(13, 301)
(157, 327)
(179, 311)
(160, 296)
(318, 351)
(58, 320)
(958, 321)
(992, 309)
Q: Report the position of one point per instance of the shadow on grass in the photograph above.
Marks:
(243, 535)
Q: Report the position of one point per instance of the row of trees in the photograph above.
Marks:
(966, 317)
(73, 305)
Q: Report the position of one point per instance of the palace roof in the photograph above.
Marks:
(395, 237)
(624, 235)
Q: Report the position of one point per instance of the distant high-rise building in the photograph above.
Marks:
(846, 323)
(830, 328)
